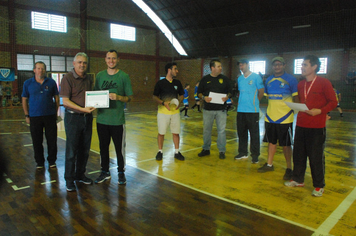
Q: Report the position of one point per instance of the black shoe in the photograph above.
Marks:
(70, 187)
(179, 156)
(341, 115)
(122, 179)
(240, 156)
(159, 156)
(288, 175)
(40, 166)
(204, 153)
(265, 168)
(254, 160)
(103, 176)
(222, 155)
(84, 180)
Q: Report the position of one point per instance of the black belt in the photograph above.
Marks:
(78, 114)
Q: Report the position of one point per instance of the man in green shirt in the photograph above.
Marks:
(111, 121)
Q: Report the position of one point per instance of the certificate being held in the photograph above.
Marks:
(97, 99)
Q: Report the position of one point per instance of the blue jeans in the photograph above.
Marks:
(78, 131)
(208, 119)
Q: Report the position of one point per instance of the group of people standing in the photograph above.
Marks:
(40, 99)
(314, 91)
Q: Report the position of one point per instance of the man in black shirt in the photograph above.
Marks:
(217, 83)
(168, 93)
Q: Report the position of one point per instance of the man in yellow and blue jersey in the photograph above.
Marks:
(279, 88)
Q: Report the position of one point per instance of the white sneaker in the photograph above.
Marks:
(318, 192)
(292, 183)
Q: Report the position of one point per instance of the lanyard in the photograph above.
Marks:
(305, 88)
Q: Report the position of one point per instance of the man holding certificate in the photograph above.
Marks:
(78, 121)
(318, 95)
(111, 120)
(214, 89)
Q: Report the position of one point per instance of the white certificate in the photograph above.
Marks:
(297, 106)
(97, 99)
(216, 97)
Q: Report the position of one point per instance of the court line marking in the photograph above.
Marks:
(48, 182)
(17, 188)
(5, 133)
(230, 201)
(337, 214)
(28, 145)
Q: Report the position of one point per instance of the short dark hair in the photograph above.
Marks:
(113, 50)
(169, 66)
(186, 85)
(314, 60)
(212, 62)
(40, 62)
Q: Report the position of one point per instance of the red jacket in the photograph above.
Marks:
(321, 96)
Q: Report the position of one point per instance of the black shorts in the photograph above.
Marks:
(281, 132)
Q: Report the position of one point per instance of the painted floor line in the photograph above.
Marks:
(5, 133)
(230, 201)
(337, 214)
(27, 145)
(17, 188)
(48, 182)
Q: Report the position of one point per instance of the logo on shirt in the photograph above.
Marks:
(175, 87)
(221, 81)
(282, 85)
(208, 82)
(250, 82)
(46, 88)
(108, 85)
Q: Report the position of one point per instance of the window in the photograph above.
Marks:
(24, 62)
(258, 67)
(323, 66)
(44, 21)
(298, 66)
(70, 63)
(122, 32)
(58, 63)
(53, 63)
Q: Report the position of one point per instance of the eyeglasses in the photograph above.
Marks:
(277, 64)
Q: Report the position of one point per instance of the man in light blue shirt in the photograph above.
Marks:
(251, 90)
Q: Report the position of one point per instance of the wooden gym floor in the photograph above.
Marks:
(198, 196)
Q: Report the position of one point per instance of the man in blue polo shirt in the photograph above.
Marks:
(40, 102)
(251, 90)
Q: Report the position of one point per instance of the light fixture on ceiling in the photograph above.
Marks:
(243, 33)
(300, 26)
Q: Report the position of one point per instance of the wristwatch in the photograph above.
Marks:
(163, 103)
(203, 97)
(27, 116)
